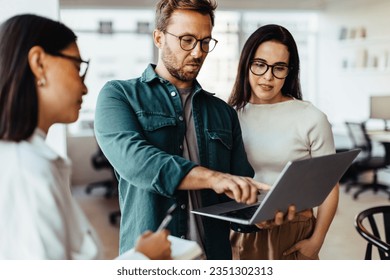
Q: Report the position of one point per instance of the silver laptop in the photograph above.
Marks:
(304, 183)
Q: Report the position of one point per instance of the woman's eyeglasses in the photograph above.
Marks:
(83, 64)
(259, 68)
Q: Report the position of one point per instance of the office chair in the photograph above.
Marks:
(99, 161)
(365, 161)
(378, 218)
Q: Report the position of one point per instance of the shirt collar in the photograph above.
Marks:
(38, 140)
(149, 75)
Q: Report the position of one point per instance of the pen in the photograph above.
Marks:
(168, 217)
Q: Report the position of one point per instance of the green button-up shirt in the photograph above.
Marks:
(140, 127)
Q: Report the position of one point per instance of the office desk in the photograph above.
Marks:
(379, 135)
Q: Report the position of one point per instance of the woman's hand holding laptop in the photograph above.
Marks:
(280, 218)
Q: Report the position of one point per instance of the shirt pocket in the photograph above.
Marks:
(220, 144)
(158, 128)
(155, 121)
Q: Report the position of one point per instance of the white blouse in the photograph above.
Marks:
(39, 219)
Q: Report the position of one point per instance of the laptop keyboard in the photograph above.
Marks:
(244, 213)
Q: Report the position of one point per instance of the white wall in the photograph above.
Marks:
(47, 8)
(343, 93)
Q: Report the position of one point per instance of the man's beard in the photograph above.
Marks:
(170, 64)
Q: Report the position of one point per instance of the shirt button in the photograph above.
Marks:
(181, 118)
(183, 206)
(173, 93)
(183, 237)
(181, 147)
(239, 229)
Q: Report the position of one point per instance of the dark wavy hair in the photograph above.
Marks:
(241, 92)
(165, 8)
(18, 91)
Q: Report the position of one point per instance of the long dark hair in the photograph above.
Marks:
(241, 92)
(165, 8)
(18, 92)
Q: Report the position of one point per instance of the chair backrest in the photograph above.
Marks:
(99, 160)
(359, 137)
(373, 224)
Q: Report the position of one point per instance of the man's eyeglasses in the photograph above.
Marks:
(259, 68)
(188, 42)
(83, 64)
